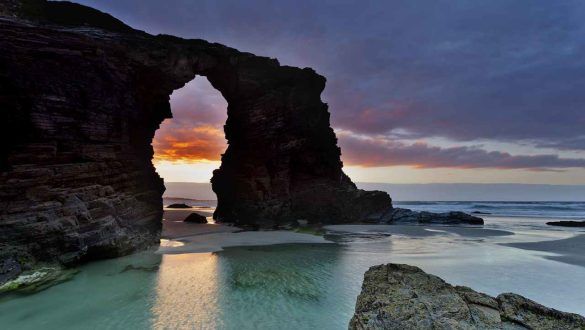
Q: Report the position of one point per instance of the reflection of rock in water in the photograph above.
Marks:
(353, 237)
(284, 280)
(291, 282)
(147, 269)
(291, 271)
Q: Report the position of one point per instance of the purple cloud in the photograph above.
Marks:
(511, 71)
(381, 152)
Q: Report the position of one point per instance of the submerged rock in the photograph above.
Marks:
(567, 223)
(398, 296)
(195, 218)
(37, 280)
(178, 206)
(406, 216)
(148, 269)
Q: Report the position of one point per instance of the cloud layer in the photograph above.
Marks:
(382, 152)
(463, 71)
(195, 133)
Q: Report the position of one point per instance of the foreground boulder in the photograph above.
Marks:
(195, 218)
(398, 296)
(406, 216)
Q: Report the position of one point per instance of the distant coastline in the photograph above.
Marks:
(427, 192)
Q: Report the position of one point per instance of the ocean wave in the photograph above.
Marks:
(511, 209)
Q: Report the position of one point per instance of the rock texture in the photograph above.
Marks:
(404, 297)
(195, 218)
(82, 94)
(406, 216)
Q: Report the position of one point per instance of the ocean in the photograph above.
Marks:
(314, 286)
(544, 210)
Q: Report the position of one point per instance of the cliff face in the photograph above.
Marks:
(82, 95)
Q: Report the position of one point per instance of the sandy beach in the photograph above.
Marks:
(569, 250)
(418, 231)
(181, 237)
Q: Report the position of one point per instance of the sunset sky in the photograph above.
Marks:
(441, 91)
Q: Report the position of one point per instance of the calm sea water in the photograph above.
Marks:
(560, 210)
(567, 210)
(299, 286)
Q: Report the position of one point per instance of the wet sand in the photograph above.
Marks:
(175, 228)
(419, 231)
(570, 250)
(182, 237)
(213, 242)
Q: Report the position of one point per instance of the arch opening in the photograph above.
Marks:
(188, 146)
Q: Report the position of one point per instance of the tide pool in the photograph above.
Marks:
(293, 286)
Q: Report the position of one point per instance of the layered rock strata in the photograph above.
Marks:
(401, 297)
(82, 95)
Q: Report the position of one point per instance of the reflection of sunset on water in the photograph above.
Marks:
(186, 292)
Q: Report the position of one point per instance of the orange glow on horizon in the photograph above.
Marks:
(199, 143)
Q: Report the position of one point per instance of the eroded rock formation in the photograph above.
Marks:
(81, 96)
(405, 216)
(401, 297)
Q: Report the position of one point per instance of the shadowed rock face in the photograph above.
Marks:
(401, 297)
(401, 216)
(82, 95)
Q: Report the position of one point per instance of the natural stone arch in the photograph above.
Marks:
(282, 162)
(82, 96)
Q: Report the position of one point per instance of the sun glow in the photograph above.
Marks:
(186, 171)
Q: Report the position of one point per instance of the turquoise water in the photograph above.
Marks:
(287, 286)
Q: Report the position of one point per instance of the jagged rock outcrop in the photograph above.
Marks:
(406, 216)
(82, 94)
(404, 297)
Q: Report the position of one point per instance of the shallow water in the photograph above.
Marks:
(303, 286)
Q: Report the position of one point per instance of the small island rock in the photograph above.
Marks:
(406, 216)
(178, 206)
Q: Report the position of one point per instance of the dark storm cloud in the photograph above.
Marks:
(509, 71)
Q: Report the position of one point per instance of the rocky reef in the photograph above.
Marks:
(82, 95)
(566, 223)
(406, 216)
(398, 296)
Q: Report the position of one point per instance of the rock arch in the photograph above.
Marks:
(82, 95)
